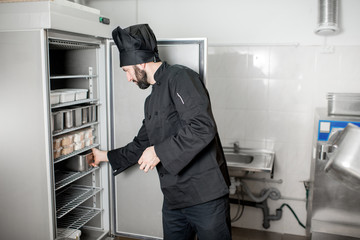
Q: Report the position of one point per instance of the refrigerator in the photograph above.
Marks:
(62, 93)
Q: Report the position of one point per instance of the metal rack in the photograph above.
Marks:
(66, 44)
(67, 104)
(72, 76)
(62, 158)
(71, 214)
(72, 197)
(75, 128)
(64, 178)
(76, 219)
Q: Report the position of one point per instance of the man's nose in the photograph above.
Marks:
(129, 78)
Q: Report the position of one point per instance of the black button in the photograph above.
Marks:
(149, 117)
(161, 175)
(156, 113)
(158, 83)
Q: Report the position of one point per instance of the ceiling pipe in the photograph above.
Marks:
(328, 16)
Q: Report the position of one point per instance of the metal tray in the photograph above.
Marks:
(344, 104)
(80, 163)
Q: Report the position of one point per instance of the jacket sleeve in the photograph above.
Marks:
(197, 124)
(122, 158)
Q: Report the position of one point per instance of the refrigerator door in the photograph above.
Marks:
(25, 177)
(136, 196)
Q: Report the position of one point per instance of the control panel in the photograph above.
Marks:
(328, 127)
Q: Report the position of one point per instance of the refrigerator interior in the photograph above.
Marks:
(78, 189)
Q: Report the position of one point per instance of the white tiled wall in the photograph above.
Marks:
(264, 97)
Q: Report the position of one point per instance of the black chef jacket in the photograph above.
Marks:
(180, 125)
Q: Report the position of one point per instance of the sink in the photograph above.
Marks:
(249, 159)
(238, 158)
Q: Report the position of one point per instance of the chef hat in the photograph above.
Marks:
(137, 44)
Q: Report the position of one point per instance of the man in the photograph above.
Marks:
(178, 137)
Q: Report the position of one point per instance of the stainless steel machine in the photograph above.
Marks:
(334, 197)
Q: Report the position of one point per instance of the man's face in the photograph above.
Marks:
(136, 75)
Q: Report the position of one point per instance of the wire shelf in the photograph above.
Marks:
(72, 76)
(76, 152)
(65, 44)
(72, 197)
(67, 104)
(64, 178)
(75, 128)
(76, 219)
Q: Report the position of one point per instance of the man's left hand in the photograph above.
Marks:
(148, 159)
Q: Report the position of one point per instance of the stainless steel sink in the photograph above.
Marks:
(249, 160)
(238, 158)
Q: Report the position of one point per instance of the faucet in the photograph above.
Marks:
(236, 147)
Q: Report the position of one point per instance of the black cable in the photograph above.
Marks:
(237, 215)
(285, 204)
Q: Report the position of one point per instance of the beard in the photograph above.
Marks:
(141, 78)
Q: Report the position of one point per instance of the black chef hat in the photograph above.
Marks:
(137, 44)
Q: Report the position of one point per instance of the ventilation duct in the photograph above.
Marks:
(328, 17)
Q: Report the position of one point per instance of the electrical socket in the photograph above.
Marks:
(327, 49)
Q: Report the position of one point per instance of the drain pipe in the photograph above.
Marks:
(260, 202)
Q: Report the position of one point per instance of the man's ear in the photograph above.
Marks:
(141, 66)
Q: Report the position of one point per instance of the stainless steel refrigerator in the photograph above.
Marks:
(45, 47)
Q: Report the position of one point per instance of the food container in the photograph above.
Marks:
(80, 94)
(67, 149)
(89, 141)
(57, 121)
(69, 118)
(80, 163)
(67, 140)
(79, 145)
(85, 115)
(88, 132)
(71, 234)
(57, 143)
(79, 136)
(77, 117)
(66, 95)
(57, 152)
(54, 97)
(92, 113)
(344, 104)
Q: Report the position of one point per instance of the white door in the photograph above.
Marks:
(137, 198)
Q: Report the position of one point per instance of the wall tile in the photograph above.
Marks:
(256, 125)
(228, 61)
(349, 63)
(272, 106)
(290, 96)
(283, 62)
(258, 60)
(231, 124)
(257, 94)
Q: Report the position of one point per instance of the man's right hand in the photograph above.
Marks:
(99, 156)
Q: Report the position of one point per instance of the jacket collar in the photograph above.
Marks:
(158, 76)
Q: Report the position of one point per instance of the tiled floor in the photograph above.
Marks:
(249, 234)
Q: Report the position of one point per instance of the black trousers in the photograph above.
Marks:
(207, 221)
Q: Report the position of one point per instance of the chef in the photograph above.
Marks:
(179, 137)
